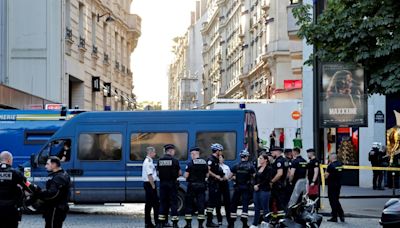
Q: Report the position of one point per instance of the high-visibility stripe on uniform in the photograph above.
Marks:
(161, 217)
(201, 217)
(188, 217)
(174, 218)
(244, 215)
(210, 210)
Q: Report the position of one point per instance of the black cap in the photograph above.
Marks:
(169, 146)
(310, 150)
(288, 151)
(276, 149)
(195, 148)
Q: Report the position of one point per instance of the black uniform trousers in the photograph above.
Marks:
(152, 202)
(226, 200)
(168, 199)
(333, 196)
(277, 198)
(377, 178)
(196, 193)
(9, 217)
(243, 192)
(213, 196)
(54, 217)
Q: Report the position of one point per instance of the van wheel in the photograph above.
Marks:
(181, 202)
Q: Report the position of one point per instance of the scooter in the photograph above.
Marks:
(391, 214)
(302, 214)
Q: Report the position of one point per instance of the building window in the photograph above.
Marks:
(100, 147)
(81, 19)
(122, 51)
(105, 37)
(116, 47)
(94, 21)
(140, 141)
(68, 13)
(226, 139)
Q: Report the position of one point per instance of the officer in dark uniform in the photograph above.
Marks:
(375, 156)
(168, 172)
(312, 171)
(278, 180)
(12, 184)
(215, 176)
(288, 156)
(56, 194)
(195, 174)
(242, 174)
(334, 175)
(298, 168)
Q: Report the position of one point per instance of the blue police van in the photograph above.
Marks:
(23, 132)
(108, 148)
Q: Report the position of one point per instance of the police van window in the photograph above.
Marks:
(100, 147)
(59, 148)
(139, 142)
(226, 139)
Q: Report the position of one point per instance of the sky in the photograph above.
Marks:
(162, 20)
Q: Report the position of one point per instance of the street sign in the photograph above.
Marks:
(53, 106)
(296, 115)
(379, 117)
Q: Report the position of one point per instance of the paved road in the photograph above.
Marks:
(132, 216)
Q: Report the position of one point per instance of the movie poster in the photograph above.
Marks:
(343, 96)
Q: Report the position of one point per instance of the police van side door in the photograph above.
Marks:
(100, 163)
(155, 135)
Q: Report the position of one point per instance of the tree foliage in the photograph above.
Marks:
(362, 32)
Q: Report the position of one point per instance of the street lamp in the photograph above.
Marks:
(108, 19)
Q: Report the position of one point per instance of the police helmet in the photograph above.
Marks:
(216, 147)
(376, 145)
(244, 153)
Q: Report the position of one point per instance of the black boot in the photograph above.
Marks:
(188, 223)
(231, 222)
(201, 221)
(209, 220)
(175, 224)
(244, 221)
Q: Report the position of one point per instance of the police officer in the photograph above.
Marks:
(288, 156)
(168, 172)
(298, 168)
(375, 156)
(12, 183)
(195, 174)
(278, 181)
(242, 173)
(214, 178)
(149, 177)
(312, 171)
(56, 194)
(334, 175)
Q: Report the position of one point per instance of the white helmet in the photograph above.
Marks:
(377, 145)
(217, 146)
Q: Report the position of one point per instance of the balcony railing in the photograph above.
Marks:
(82, 43)
(106, 59)
(68, 34)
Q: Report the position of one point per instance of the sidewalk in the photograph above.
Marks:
(359, 202)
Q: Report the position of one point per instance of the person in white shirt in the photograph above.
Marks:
(224, 190)
(149, 177)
